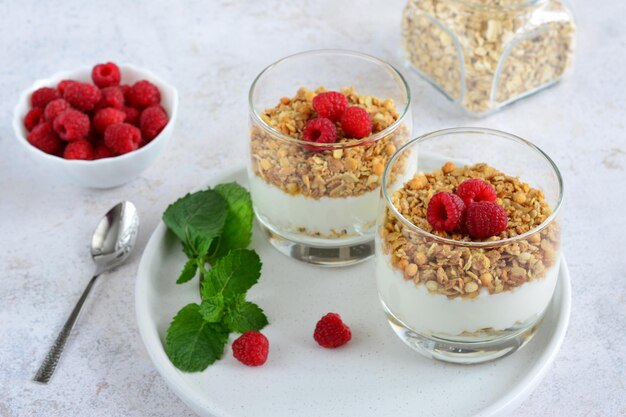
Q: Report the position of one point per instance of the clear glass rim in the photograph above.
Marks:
(329, 146)
(521, 5)
(474, 130)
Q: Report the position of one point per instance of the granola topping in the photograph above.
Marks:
(335, 172)
(458, 271)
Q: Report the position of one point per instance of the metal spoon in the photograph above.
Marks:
(111, 244)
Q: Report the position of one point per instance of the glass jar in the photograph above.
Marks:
(451, 297)
(484, 54)
(317, 202)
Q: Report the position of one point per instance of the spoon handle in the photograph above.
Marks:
(49, 364)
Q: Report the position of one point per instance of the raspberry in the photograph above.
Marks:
(144, 94)
(319, 130)
(102, 151)
(356, 122)
(474, 190)
(251, 348)
(81, 149)
(485, 219)
(106, 117)
(126, 90)
(111, 97)
(132, 115)
(445, 212)
(106, 75)
(42, 96)
(152, 121)
(72, 125)
(32, 118)
(63, 84)
(122, 138)
(54, 108)
(82, 96)
(331, 332)
(330, 105)
(44, 138)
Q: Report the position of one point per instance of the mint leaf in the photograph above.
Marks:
(232, 275)
(189, 271)
(191, 343)
(238, 225)
(197, 219)
(245, 316)
(212, 308)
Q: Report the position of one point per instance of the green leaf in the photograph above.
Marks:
(245, 316)
(197, 219)
(189, 271)
(238, 225)
(212, 308)
(232, 275)
(191, 343)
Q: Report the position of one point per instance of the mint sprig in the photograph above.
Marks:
(214, 227)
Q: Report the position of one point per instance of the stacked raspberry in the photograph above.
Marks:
(334, 111)
(78, 120)
(472, 209)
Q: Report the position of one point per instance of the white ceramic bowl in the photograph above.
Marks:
(107, 172)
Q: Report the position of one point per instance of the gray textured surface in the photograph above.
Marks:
(211, 51)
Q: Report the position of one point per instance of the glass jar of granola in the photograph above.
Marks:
(484, 54)
(317, 199)
(450, 291)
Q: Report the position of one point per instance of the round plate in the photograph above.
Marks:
(375, 374)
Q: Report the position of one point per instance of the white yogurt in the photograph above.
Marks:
(427, 313)
(289, 213)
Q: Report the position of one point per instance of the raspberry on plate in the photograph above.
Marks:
(144, 94)
(106, 75)
(251, 348)
(320, 130)
(331, 332)
(107, 117)
(152, 121)
(474, 190)
(445, 212)
(42, 96)
(81, 149)
(111, 97)
(330, 105)
(356, 122)
(122, 138)
(43, 137)
(54, 108)
(485, 219)
(72, 125)
(33, 117)
(82, 96)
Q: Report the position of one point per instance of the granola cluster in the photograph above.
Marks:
(484, 34)
(457, 270)
(345, 172)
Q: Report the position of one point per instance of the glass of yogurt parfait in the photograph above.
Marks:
(468, 243)
(323, 125)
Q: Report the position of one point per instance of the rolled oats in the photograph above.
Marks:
(486, 53)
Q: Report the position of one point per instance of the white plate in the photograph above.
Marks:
(374, 375)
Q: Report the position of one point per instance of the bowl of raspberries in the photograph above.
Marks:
(97, 127)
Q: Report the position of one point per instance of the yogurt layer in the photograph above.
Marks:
(428, 313)
(326, 216)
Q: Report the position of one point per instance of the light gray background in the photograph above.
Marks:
(211, 51)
